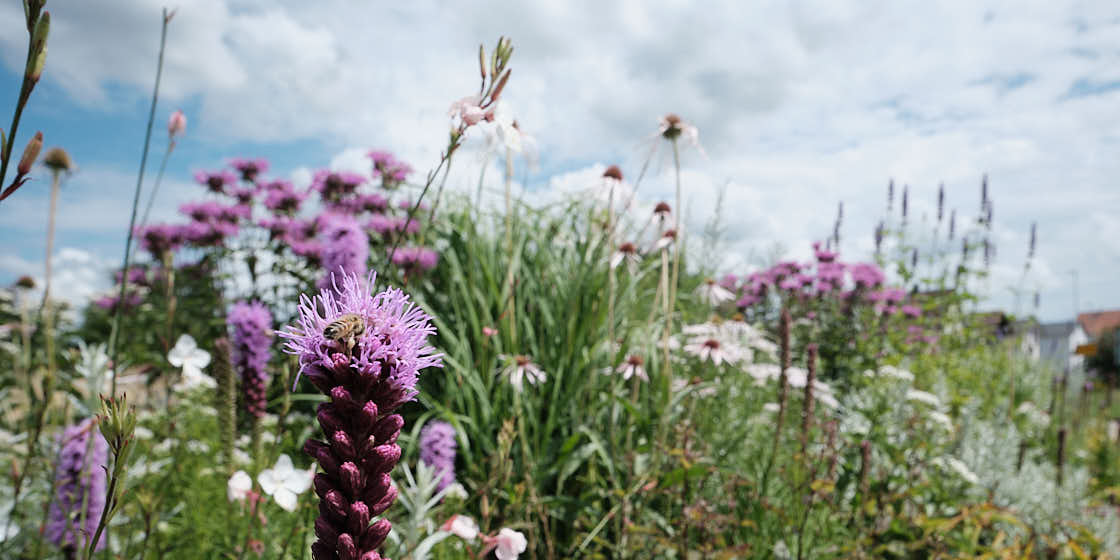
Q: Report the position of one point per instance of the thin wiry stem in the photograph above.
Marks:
(159, 180)
(114, 333)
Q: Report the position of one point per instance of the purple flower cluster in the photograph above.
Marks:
(249, 168)
(216, 182)
(366, 373)
(391, 171)
(437, 450)
(336, 186)
(415, 259)
(282, 198)
(79, 487)
(345, 248)
(159, 239)
(251, 332)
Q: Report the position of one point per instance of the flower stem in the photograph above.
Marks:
(114, 333)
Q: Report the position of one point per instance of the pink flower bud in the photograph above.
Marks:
(177, 124)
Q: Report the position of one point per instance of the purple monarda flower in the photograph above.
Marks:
(251, 332)
(216, 182)
(79, 487)
(345, 248)
(437, 450)
(415, 259)
(365, 352)
(249, 168)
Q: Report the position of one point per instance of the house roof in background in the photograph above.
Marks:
(1097, 322)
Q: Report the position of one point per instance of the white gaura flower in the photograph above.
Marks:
(712, 293)
(509, 544)
(462, 526)
(923, 397)
(191, 359)
(239, 486)
(519, 369)
(284, 482)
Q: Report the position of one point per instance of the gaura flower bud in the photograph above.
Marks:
(39, 35)
(30, 154)
(177, 124)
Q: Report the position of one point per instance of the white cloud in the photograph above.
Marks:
(799, 104)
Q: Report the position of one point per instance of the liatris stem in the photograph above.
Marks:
(114, 333)
(864, 471)
(1022, 455)
(226, 399)
(1061, 455)
(807, 410)
(783, 390)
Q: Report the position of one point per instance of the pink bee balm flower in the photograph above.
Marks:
(177, 124)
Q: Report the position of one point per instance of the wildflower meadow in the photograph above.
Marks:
(369, 365)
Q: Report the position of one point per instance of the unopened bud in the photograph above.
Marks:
(482, 61)
(30, 154)
(177, 124)
(42, 30)
(498, 88)
(36, 69)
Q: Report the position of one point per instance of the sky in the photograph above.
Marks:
(799, 106)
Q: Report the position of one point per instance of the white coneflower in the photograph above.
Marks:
(628, 253)
(715, 350)
(632, 367)
(519, 369)
(662, 211)
(923, 397)
(712, 293)
(673, 127)
(763, 372)
(666, 239)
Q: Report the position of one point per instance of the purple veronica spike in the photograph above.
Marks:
(251, 326)
(367, 372)
(437, 450)
(80, 487)
(345, 247)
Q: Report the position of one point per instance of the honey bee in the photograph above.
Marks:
(346, 329)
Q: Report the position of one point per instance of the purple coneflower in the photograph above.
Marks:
(628, 253)
(437, 450)
(367, 373)
(345, 248)
(632, 367)
(79, 487)
(251, 326)
(520, 368)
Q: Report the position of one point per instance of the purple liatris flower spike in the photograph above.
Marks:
(79, 487)
(365, 352)
(345, 248)
(251, 331)
(437, 450)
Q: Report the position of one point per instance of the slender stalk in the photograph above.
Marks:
(25, 88)
(509, 246)
(114, 333)
(439, 192)
(610, 269)
(159, 181)
(677, 227)
(56, 177)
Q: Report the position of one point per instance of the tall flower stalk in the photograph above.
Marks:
(79, 495)
(364, 351)
(251, 334)
(114, 333)
(38, 28)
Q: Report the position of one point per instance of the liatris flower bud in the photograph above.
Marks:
(833, 456)
(890, 196)
(987, 253)
(365, 353)
(79, 487)
(345, 248)
(952, 223)
(1034, 232)
(879, 230)
(437, 450)
(1022, 455)
(176, 124)
(905, 201)
(940, 202)
(251, 331)
(1061, 454)
(226, 398)
(836, 226)
(984, 192)
(807, 409)
(914, 258)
